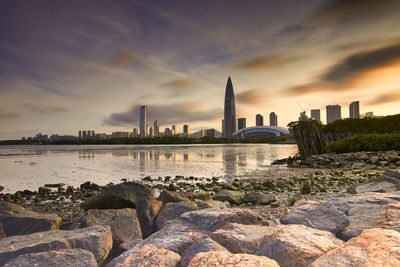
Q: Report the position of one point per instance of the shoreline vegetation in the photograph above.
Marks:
(287, 139)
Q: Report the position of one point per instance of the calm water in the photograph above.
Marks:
(28, 167)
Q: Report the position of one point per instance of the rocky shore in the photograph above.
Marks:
(341, 216)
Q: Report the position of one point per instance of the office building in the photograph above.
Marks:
(80, 134)
(241, 123)
(174, 129)
(167, 132)
(316, 115)
(273, 119)
(259, 120)
(333, 113)
(135, 132)
(143, 121)
(369, 114)
(303, 116)
(186, 131)
(151, 133)
(229, 110)
(156, 129)
(354, 110)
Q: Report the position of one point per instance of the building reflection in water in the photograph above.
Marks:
(230, 160)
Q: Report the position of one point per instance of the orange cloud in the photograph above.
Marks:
(264, 62)
(251, 96)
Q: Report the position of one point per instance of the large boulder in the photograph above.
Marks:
(204, 245)
(346, 203)
(147, 255)
(323, 216)
(289, 245)
(240, 238)
(223, 258)
(124, 195)
(55, 258)
(2, 233)
(28, 224)
(147, 210)
(233, 197)
(96, 239)
(125, 226)
(297, 245)
(374, 247)
(368, 216)
(213, 219)
(9, 209)
(172, 211)
(174, 236)
(381, 187)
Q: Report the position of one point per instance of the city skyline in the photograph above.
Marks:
(72, 65)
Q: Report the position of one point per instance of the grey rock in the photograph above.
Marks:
(125, 226)
(147, 255)
(381, 187)
(393, 174)
(59, 258)
(147, 210)
(172, 210)
(259, 198)
(212, 219)
(28, 224)
(7, 208)
(322, 216)
(169, 196)
(2, 233)
(233, 197)
(96, 239)
(204, 245)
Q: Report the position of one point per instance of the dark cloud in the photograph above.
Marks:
(363, 61)
(391, 97)
(251, 96)
(125, 57)
(179, 86)
(292, 28)
(9, 114)
(45, 109)
(264, 62)
(182, 112)
(351, 11)
(349, 70)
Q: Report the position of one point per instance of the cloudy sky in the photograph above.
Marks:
(72, 65)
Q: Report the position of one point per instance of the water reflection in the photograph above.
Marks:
(112, 163)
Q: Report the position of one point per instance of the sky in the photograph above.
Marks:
(70, 65)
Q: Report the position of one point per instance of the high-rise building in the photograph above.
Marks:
(259, 120)
(156, 129)
(135, 132)
(316, 115)
(303, 116)
(80, 134)
(167, 132)
(241, 123)
(186, 131)
(354, 110)
(369, 114)
(229, 110)
(143, 121)
(174, 129)
(223, 127)
(333, 113)
(151, 133)
(273, 119)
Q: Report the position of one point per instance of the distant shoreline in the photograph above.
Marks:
(157, 141)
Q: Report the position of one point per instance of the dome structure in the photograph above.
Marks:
(261, 131)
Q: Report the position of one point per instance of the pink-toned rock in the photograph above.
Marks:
(374, 247)
(289, 245)
(223, 258)
(148, 256)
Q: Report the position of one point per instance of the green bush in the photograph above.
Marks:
(366, 142)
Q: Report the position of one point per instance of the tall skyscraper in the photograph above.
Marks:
(241, 123)
(354, 110)
(151, 133)
(273, 119)
(303, 116)
(186, 131)
(316, 115)
(229, 110)
(259, 120)
(156, 129)
(333, 113)
(143, 121)
(174, 131)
